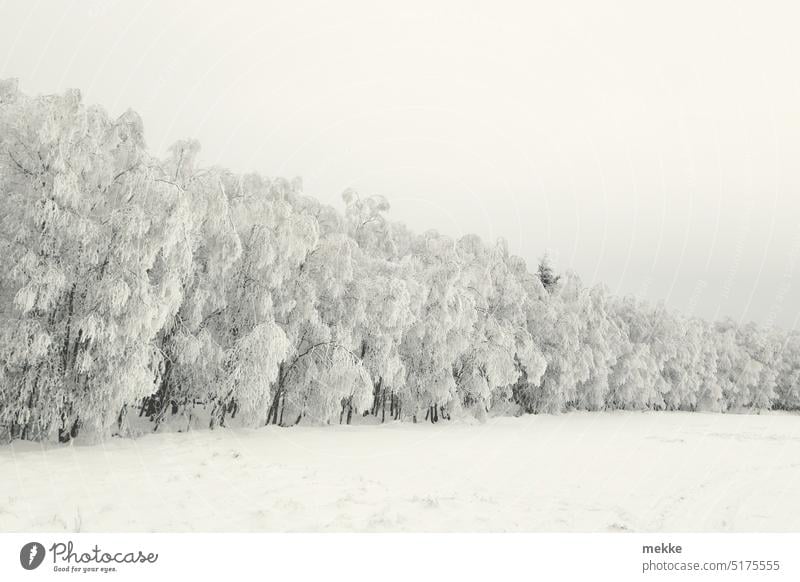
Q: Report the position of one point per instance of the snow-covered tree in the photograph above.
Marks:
(546, 274)
(130, 281)
(443, 320)
(94, 255)
(276, 241)
(501, 351)
(188, 342)
(636, 379)
(788, 382)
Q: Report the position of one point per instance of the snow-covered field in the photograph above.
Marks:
(574, 472)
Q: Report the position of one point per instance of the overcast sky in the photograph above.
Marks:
(650, 146)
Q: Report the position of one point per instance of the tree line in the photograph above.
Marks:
(137, 286)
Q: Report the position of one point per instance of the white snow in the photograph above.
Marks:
(574, 472)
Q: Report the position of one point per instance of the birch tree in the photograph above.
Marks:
(94, 253)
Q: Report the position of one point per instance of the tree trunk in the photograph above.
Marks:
(272, 413)
(65, 354)
(376, 397)
(65, 435)
(121, 418)
(283, 407)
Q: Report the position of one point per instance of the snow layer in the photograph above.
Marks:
(575, 472)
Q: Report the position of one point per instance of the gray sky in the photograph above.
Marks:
(652, 146)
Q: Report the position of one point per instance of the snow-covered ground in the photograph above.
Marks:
(574, 472)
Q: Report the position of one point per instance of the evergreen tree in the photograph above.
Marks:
(546, 274)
